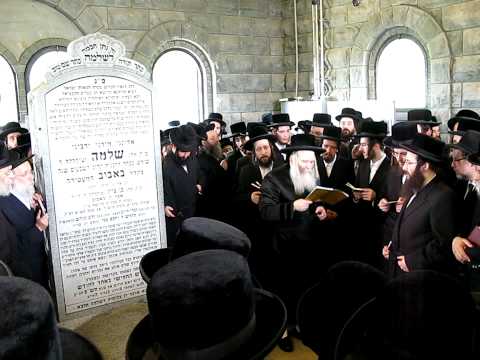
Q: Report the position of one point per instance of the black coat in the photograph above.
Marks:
(393, 191)
(469, 209)
(232, 161)
(342, 172)
(8, 243)
(32, 258)
(424, 231)
(179, 191)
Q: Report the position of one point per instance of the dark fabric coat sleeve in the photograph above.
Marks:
(272, 206)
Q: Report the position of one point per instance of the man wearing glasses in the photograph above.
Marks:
(425, 227)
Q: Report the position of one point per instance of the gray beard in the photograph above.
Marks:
(4, 188)
(24, 192)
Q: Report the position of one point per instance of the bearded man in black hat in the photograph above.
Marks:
(319, 122)
(299, 224)
(426, 225)
(281, 129)
(424, 120)
(10, 133)
(239, 137)
(180, 180)
(217, 120)
(349, 120)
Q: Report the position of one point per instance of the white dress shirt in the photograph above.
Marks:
(329, 166)
(374, 165)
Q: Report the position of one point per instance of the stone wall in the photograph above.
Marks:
(448, 30)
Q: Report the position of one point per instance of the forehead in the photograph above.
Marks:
(399, 151)
(283, 128)
(346, 120)
(411, 156)
(328, 142)
(364, 140)
(306, 155)
(261, 143)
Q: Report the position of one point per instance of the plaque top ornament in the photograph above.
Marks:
(97, 50)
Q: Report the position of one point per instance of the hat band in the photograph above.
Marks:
(217, 351)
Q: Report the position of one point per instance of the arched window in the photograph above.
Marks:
(179, 82)
(40, 63)
(402, 75)
(8, 93)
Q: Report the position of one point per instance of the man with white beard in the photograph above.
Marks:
(300, 238)
(25, 212)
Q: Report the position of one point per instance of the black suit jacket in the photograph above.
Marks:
(8, 243)
(425, 229)
(379, 181)
(393, 190)
(342, 172)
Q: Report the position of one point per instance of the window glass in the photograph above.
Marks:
(8, 93)
(42, 63)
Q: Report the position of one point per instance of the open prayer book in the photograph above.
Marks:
(327, 195)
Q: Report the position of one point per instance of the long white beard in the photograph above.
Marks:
(23, 192)
(303, 182)
(5, 189)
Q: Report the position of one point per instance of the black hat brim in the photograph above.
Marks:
(221, 122)
(76, 347)
(424, 122)
(20, 130)
(341, 116)
(390, 142)
(370, 135)
(153, 261)
(16, 163)
(231, 136)
(462, 148)
(271, 321)
(274, 125)
(290, 149)
(249, 144)
(326, 137)
(421, 152)
(451, 123)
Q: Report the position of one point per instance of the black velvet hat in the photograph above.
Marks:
(462, 115)
(420, 315)
(332, 133)
(401, 131)
(469, 144)
(426, 147)
(324, 308)
(267, 118)
(238, 129)
(174, 123)
(421, 117)
(304, 125)
(281, 119)
(226, 142)
(301, 142)
(255, 133)
(464, 125)
(28, 329)
(203, 306)
(217, 117)
(322, 120)
(350, 113)
(372, 129)
(184, 138)
(196, 234)
(23, 145)
(11, 127)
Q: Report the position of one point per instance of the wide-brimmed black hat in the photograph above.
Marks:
(196, 234)
(238, 129)
(469, 144)
(324, 308)
(425, 147)
(281, 119)
(29, 327)
(217, 117)
(204, 306)
(174, 123)
(462, 115)
(420, 315)
(255, 133)
(11, 127)
(304, 125)
(301, 142)
(421, 117)
(464, 125)
(184, 138)
(350, 113)
(402, 131)
(372, 129)
(332, 133)
(322, 120)
(267, 118)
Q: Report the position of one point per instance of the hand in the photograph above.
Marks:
(368, 195)
(399, 205)
(386, 251)
(224, 164)
(356, 152)
(459, 245)
(331, 215)
(169, 212)
(37, 198)
(357, 196)
(301, 205)
(402, 264)
(199, 189)
(321, 212)
(255, 197)
(41, 221)
(384, 205)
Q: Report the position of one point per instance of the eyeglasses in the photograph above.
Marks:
(397, 153)
(458, 159)
(409, 163)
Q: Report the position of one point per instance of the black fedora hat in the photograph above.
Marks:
(402, 131)
(324, 308)
(350, 113)
(11, 127)
(217, 117)
(469, 144)
(425, 147)
(281, 119)
(238, 129)
(184, 138)
(196, 234)
(304, 125)
(174, 123)
(420, 315)
(372, 129)
(322, 120)
(257, 132)
(464, 125)
(267, 118)
(204, 306)
(29, 327)
(301, 142)
(421, 117)
(462, 115)
(332, 133)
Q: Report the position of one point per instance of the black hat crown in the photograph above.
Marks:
(373, 129)
(470, 142)
(468, 124)
(215, 116)
(11, 127)
(7, 157)
(425, 147)
(174, 123)
(402, 131)
(320, 119)
(332, 133)
(267, 118)
(462, 115)
(184, 138)
(351, 113)
(421, 116)
(281, 119)
(238, 128)
(301, 142)
(257, 129)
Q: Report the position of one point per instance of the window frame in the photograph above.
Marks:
(35, 57)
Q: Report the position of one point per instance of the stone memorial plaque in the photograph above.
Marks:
(97, 143)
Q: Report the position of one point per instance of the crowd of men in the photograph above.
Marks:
(412, 201)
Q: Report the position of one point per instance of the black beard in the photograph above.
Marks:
(180, 161)
(265, 162)
(413, 184)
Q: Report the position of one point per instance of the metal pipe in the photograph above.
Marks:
(296, 46)
(322, 54)
(315, 50)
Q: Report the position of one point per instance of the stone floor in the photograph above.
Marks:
(109, 331)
